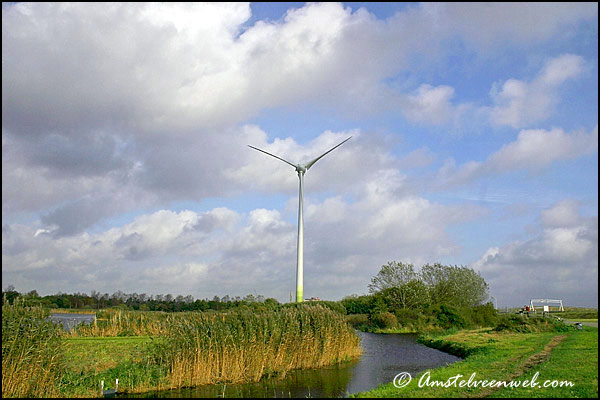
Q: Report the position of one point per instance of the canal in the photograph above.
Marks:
(70, 321)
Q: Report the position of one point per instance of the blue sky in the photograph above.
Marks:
(126, 166)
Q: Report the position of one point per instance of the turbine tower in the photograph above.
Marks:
(301, 170)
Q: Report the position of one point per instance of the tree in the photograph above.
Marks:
(10, 294)
(458, 286)
(412, 294)
(393, 274)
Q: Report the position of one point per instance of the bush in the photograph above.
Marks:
(358, 304)
(358, 320)
(481, 315)
(448, 317)
(523, 324)
(384, 320)
(414, 320)
(407, 316)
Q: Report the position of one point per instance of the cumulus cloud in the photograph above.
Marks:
(432, 105)
(560, 262)
(189, 252)
(533, 150)
(110, 108)
(140, 95)
(518, 103)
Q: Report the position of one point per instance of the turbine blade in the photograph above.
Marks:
(311, 163)
(273, 155)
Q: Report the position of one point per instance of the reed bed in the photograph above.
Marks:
(32, 352)
(240, 345)
(187, 348)
(244, 346)
(113, 322)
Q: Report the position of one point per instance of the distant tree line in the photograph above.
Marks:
(134, 301)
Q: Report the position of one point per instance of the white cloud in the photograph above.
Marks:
(432, 105)
(108, 108)
(538, 148)
(563, 214)
(560, 262)
(221, 251)
(134, 97)
(519, 103)
(533, 150)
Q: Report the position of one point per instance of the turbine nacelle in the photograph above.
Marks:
(302, 168)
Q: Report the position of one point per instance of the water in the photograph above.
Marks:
(69, 321)
(384, 356)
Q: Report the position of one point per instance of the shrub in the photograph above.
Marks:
(358, 304)
(358, 320)
(481, 315)
(384, 320)
(408, 316)
(523, 324)
(448, 317)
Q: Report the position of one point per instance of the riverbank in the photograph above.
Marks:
(570, 356)
(194, 349)
(150, 351)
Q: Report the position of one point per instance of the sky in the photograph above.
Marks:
(126, 166)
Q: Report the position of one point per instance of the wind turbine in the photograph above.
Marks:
(301, 170)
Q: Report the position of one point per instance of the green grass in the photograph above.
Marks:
(574, 360)
(573, 313)
(92, 359)
(100, 353)
(503, 356)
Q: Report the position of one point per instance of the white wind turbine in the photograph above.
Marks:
(301, 170)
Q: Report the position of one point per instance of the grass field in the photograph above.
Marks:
(98, 354)
(88, 360)
(555, 356)
(577, 313)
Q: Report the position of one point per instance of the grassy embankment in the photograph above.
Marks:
(508, 356)
(155, 351)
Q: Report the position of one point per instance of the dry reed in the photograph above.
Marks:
(31, 352)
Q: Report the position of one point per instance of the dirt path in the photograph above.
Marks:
(530, 362)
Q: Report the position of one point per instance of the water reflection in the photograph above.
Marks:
(384, 356)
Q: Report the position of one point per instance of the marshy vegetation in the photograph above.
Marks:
(32, 352)
(174, 349)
